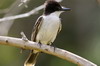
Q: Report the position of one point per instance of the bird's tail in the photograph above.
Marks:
(31, 60)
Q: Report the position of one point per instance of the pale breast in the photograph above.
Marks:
(48, 30)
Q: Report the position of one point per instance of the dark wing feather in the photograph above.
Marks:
(36, 28)
(60, 27)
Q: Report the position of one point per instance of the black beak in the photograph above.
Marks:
(66, 9)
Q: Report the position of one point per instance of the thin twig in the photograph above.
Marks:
(24, 36)
(23, 2)
(20, 43)
(12, 10)
(22, 15)
(25, 14)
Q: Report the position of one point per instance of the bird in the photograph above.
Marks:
(46, 28)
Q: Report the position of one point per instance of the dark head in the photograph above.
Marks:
(52, 6)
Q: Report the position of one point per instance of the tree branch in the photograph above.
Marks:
(25, 14)
(66, 55)
(12, 10)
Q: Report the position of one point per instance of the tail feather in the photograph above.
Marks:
(31, 60)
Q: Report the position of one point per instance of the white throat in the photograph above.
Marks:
(56, 13)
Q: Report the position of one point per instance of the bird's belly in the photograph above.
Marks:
(47, 33)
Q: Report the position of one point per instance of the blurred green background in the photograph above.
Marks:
(80, 33)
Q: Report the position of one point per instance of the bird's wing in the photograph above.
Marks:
(60, 27)
(36, 28)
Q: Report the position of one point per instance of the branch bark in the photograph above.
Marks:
(66, 55)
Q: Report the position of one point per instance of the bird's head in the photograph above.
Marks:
(53, 6)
